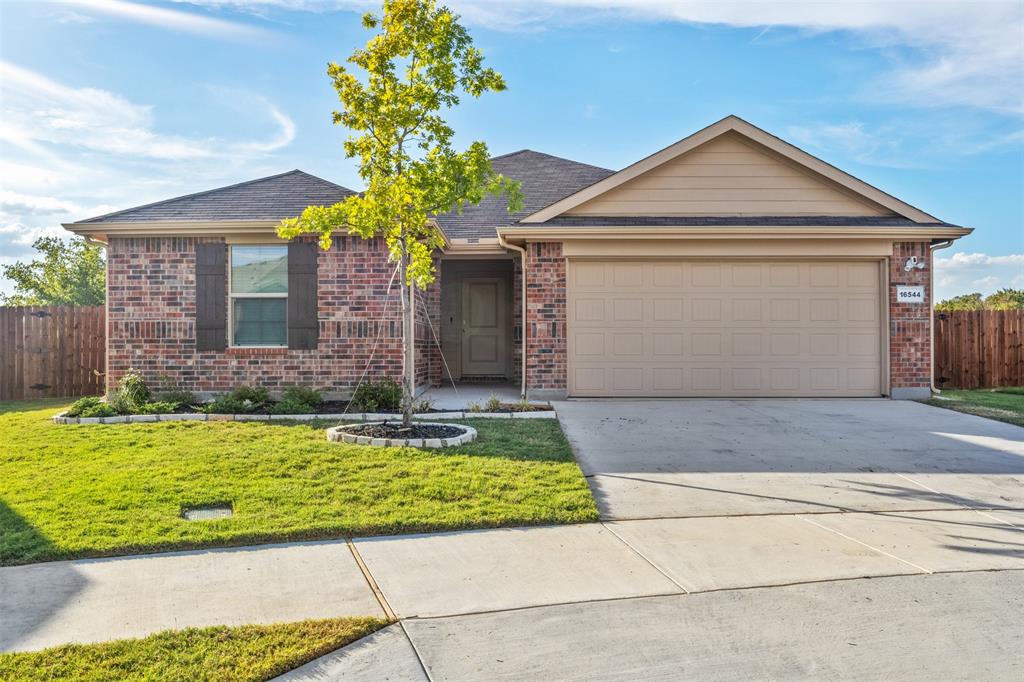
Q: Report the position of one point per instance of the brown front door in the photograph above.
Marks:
(484, 327)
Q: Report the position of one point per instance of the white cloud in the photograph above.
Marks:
(37, 111)
(852, 140)
(172, 19)
(72, 153)
(964, 53)
(989, 282)
(966, 261)
(964, 273)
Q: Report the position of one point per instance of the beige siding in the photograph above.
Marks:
(728, 177)
(724, 328)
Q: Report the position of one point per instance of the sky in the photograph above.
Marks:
(108, 104)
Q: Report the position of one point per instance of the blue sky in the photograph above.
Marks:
(106, 104)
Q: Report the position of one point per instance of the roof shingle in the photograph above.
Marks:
(271, 198)
(544, 178)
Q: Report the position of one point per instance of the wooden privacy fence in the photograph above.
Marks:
(51, 351)
(979, 348)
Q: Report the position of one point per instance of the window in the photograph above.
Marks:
(258, 292)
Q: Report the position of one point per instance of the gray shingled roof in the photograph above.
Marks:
(545, 179)
(271, 198)
(731, 221)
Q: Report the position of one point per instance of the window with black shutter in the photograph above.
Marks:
(211, 316)
(303, 325)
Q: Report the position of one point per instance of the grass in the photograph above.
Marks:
(249, 652)
(69, 491)
(1003, 404)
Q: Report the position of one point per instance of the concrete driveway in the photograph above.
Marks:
(680, 458)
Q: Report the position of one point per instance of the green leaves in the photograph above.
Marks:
(415, 68)
(69, 273)
(1004, 299)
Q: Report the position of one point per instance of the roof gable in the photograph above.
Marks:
(730, 168)
(272, 198)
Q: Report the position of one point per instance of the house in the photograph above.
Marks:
(728, 264)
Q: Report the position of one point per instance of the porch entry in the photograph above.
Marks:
(476, 312)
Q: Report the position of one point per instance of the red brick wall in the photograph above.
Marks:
(545, 309)
(517, 319)
(909, 324)
(151, 318)
(428, 332)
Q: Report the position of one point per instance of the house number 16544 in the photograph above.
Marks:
(910, 294)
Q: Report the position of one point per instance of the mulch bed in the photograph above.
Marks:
(396, 430)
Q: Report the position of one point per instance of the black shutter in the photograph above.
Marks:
(211, 298)
(303, 326)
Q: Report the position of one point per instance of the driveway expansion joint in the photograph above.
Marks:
(644, 557)
(374, 587)
(871, 547)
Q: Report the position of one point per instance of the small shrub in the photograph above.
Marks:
(133, 391)
(474, 407)
(120, 403)
(228, 404)
(423, 405)
(291, 406)
(302, 394)
(377, 396)
(159, 407)
(181, 398)
(522, 405)
(90, 406)
(493, 404)
(257, 395)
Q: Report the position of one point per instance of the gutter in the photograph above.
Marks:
(931, 312)
(523, 231)
(522, 256)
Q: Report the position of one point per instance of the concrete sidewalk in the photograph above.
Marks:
(962, 626)
(459, 573)
(94, 600)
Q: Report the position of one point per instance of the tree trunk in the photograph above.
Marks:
(408, 344)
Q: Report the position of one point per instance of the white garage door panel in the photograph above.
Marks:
(724, 329)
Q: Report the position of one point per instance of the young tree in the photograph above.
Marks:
(962, 302)
(416, 67)
(69, 273)
(1005, 299)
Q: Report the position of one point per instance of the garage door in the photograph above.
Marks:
(730, 328)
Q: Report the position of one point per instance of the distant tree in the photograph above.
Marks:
(1005, 299)
(70, 272)
(393, 93)
(962, 302)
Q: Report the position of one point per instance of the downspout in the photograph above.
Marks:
(522, 256)
(931, 294)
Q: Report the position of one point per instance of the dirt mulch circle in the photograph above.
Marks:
(394, 430)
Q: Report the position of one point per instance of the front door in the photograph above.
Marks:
(484, 327)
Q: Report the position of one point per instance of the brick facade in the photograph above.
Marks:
(151, 321)
(909, 323)
(517, 319)
(429, 366)
(546, 364)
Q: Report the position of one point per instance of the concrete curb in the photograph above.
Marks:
(361, 417)
(337, 435)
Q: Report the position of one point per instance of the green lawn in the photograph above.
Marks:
(77, 491)
(249, 652)
(1004, 404)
